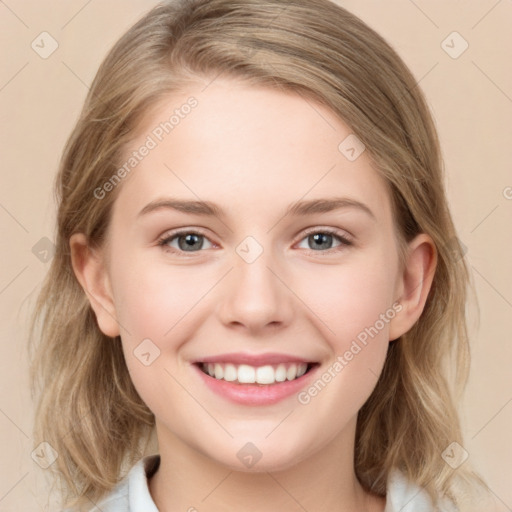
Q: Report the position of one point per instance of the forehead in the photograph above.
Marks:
(248, 147)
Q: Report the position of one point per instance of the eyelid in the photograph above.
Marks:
(344, 238)
(330, 231)
(172, 234)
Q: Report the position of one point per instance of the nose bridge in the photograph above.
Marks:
(255, 296)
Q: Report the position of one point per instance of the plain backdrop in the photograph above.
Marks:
(469, 92)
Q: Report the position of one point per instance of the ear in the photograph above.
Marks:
(414, 284)
(90, 270)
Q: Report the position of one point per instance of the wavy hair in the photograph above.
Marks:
(87, 407)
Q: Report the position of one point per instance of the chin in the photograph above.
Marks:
(261, 455)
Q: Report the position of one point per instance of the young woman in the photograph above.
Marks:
(255, 262)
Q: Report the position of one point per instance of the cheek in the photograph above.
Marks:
(153, 298)
(155, 304)
(352, 298)
(154, 301)
(354, 309)
(355, 306)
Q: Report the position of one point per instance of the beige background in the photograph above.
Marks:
(471, 97)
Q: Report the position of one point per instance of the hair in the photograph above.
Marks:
(87, 406)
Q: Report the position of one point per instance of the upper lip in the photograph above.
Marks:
(253, 359)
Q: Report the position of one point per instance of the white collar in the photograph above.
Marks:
(132, 493)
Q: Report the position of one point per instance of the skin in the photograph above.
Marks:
(253, 151)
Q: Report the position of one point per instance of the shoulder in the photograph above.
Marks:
(131, 494)
(402, 495)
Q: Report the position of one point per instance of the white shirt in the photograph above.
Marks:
(132, 493)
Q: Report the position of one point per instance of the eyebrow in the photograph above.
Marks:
(300, 208)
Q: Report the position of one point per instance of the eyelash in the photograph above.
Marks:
(168, 237)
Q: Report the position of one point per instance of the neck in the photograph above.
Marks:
(190, 480)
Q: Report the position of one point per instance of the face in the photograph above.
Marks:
(246, 281)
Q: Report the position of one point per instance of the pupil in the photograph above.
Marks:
(189, 242)
(321, 237)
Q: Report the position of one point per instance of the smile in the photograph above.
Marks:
(255, 380)
(247, 374)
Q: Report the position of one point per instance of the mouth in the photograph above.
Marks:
(266, 375)
(255, 379)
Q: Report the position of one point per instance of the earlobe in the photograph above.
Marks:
(414, 284)
(90, 270)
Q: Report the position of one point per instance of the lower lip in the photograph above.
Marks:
(256, 394)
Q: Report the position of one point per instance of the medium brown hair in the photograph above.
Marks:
(87, 406)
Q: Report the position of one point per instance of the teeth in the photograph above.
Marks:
(291, 373)
(281, 373)
(246, 374)
(230, 373)
(265, 375)
(219, 371)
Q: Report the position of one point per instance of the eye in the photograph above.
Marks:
(190, 241)
(187, 241)
(321, 240)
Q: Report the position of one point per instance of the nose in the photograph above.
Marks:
(256, 296)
